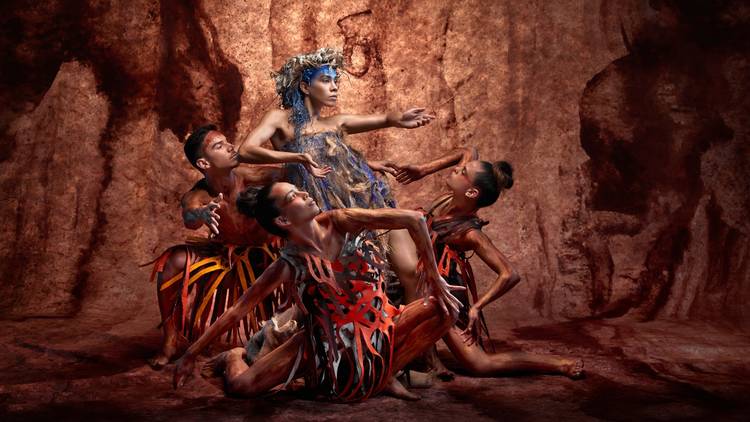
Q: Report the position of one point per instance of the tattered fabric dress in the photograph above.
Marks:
(351, 184)
(348, 319)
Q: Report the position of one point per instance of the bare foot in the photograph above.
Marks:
(396, 389)
(158, 362)
(574, 369)
(216, 365)
(416, 379)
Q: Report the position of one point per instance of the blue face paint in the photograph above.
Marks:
(309, 75)
(299, 116)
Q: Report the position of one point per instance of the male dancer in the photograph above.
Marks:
(196, 282)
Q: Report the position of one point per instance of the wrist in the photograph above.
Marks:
(392, 118)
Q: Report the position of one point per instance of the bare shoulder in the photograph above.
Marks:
(277, 115)
(475, 239)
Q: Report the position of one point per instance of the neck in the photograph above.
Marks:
(461, 206)
(313, 109)
(309, 235)
(220, 181)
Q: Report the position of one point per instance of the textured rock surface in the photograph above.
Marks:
(626, 122)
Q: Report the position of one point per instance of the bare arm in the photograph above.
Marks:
(276, 274)
(506, 279)
(198, 208)
(250, 151)
(358, 123)
(414, 172)
(260, 175)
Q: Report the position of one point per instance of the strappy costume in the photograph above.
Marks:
(348, 319)
(453, 264)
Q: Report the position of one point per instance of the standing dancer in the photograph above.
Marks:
(306, 84)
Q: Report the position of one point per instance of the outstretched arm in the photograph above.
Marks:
(354, 220)
(358, 123)
(272, 277)
(506, 279)
(251, 152)
(414, 172)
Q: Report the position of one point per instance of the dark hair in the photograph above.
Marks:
(255, 203)
(194, 143)
(492, 179)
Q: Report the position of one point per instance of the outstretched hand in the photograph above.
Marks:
(209, 216)
(384, 167)
(414, 118)
(409, 173)
(183, 370)
(313, 167)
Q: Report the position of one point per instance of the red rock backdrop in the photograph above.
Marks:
(626, 121)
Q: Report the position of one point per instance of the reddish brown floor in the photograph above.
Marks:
(84, 369)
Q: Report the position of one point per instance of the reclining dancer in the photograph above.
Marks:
(457, 231)
(196, 281)
(353, 340)
(306, 84)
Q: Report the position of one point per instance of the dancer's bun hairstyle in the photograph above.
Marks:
(491, 180)
(255, 203)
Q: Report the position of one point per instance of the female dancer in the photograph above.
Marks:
(457, 231)
(306, 85)
(353, 340)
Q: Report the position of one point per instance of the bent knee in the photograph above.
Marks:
(244, 387)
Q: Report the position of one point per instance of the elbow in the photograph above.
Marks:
(514, 278)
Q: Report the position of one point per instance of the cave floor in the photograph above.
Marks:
(84, 369)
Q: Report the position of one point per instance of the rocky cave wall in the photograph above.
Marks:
(626, 122)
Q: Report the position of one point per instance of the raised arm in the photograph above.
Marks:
(276, 274)
(358, 123)
(198, 208)
(260, 175)
(413, 172)
(354, 220)
(250, 151)
(506, 279)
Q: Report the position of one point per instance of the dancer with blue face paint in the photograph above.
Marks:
(317, 158)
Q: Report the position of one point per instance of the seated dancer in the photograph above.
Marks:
(352, 339)
(456, 231)
(196, 281)
(306, 84)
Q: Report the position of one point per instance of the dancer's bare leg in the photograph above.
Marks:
(479, 363)
(403, 259)
(266, 373)
(173, 343)
(418, 327)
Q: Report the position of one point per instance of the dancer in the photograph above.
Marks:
(195, 281)
(457, 231)
(306, 84)
(353, 340)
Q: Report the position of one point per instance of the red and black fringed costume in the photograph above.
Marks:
(348, 319)
(214, 277)
(454, 265)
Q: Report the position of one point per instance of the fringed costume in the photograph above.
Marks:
(352, 184)
(214, 277)
(348, 319)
